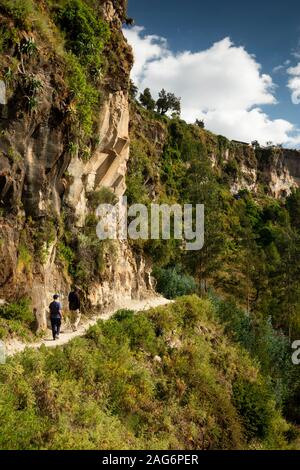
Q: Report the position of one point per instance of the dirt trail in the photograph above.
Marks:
(15, 346)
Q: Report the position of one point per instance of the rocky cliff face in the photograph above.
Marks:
(272, 170)
(292, 162)
(49, 173)
(44, 180)
(107, 165)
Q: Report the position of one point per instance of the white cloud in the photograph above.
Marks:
(294, 70)
(146, 49)
(223, 84)
(252, 123)
(281, 67)
(294, 83)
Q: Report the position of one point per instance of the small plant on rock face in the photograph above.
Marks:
(24, 259)
(13, 155)
(28, 47)
(8, 75)
(72, 148)
(31, 102)
(34, 85)
(104, 196)
(85, 153)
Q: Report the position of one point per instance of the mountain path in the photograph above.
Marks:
(15, 346)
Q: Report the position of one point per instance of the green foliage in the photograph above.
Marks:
(85, 95)
(8, 37)
(133, 90)
(32, 103)
(16, 329)
(24, 258)
(17, 311)
(85, 37)
(293, 206)
(42, 233)
(28, 46)
(85, 256)
(65, 253)
(20, 11)
(142, 171)
(232, 169)
(270, 348)
(13, 155)
(103, 196)
(85, 33)
(251, 255)
(110, 391)
(72, 148)
(33, 85)
(146, 100)
(253, 403)
(168, 102)
(172, 283)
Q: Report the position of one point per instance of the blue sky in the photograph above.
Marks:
(268, 30)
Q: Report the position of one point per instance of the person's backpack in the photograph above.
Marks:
(54, 309)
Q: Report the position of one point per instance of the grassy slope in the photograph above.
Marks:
(165, 379)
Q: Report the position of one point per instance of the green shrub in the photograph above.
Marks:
(85, 36)
(17, 311)
(24, 258)
(172, 283)
(20, 11)
(90, 255)
(17, 329)
(85, 95)
(103, 196)
(28, 47)
(85, 33)
(65, 253)
(138, 329)
(123, 315)
(108, 390)
(232, 168)
(253, 404)
(269, 347)
(8, 37)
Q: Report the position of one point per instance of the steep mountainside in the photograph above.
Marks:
(250, 262)
(251, 200)
(64, 136)
(273, 170)
(211, 370)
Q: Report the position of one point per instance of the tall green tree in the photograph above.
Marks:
(146, 100)
(168, 102)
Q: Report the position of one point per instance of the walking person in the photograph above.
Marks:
(55, 316)
(74, 307)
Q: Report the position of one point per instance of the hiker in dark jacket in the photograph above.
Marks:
(55, 316)
(74, 307)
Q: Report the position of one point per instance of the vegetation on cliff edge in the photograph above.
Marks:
(165, 379)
